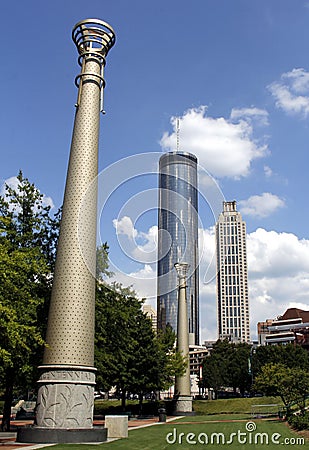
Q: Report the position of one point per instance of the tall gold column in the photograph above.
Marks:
(183, 398)
(66, 385)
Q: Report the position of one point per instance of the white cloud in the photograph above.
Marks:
(125, 226)
(291, 93)
(144, 281)
(268, 171)
(138, 245)
(223, 148)
(13, 183)
(149, 239)
(276, 254)
(47, 201)
(299, 80)
(261, 205)
(278, 268)
(260, 116)
(146, 249)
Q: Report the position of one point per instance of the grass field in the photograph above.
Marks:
(232, 405)
(203, 407)
(217, 424)
(201, 433)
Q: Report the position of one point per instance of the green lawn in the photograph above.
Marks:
(232, 405)
(178, 435)
(201, 407)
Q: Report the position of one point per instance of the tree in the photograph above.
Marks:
(157, 360)
(290, 355)
(28, 238)
(227, 366)
(238, 375)
(128, 353)
(26, 221)
(170, 362)
(290, 384)
(19, 328)
(215, 366)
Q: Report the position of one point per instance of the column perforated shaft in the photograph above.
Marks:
(70, 332)
(182, 383)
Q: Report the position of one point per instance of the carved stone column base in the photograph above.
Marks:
(39, 435)
(64, 409)
(65, 397)
(183, 406)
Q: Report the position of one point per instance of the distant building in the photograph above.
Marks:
(197, 355)
(263, 331)
(209, 345)
(291, 327)
(232, 275)
(152, 314)
(178, 238)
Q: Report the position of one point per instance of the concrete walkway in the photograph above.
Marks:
(8, 439)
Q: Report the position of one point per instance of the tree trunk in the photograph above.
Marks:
(8, 399)
(140, 404)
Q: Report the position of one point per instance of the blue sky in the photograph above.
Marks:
(235, 72)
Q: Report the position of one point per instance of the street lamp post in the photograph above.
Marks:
(182, 396)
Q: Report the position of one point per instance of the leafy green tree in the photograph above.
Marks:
(27, 251)
(227, 366)
(128, 353)
(26, 221)
(215, 367)
(115, 314)
(157, 360)
(290, 384)
(170, 362)
(19, 328)
(289, 355)
(238, 375)
(102, 263)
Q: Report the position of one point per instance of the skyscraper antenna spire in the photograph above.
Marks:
(177, 134)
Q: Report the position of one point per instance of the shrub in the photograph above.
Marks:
(299, 422)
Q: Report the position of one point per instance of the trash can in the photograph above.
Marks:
(162, 414)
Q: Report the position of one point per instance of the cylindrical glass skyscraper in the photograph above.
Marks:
(178, 238)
